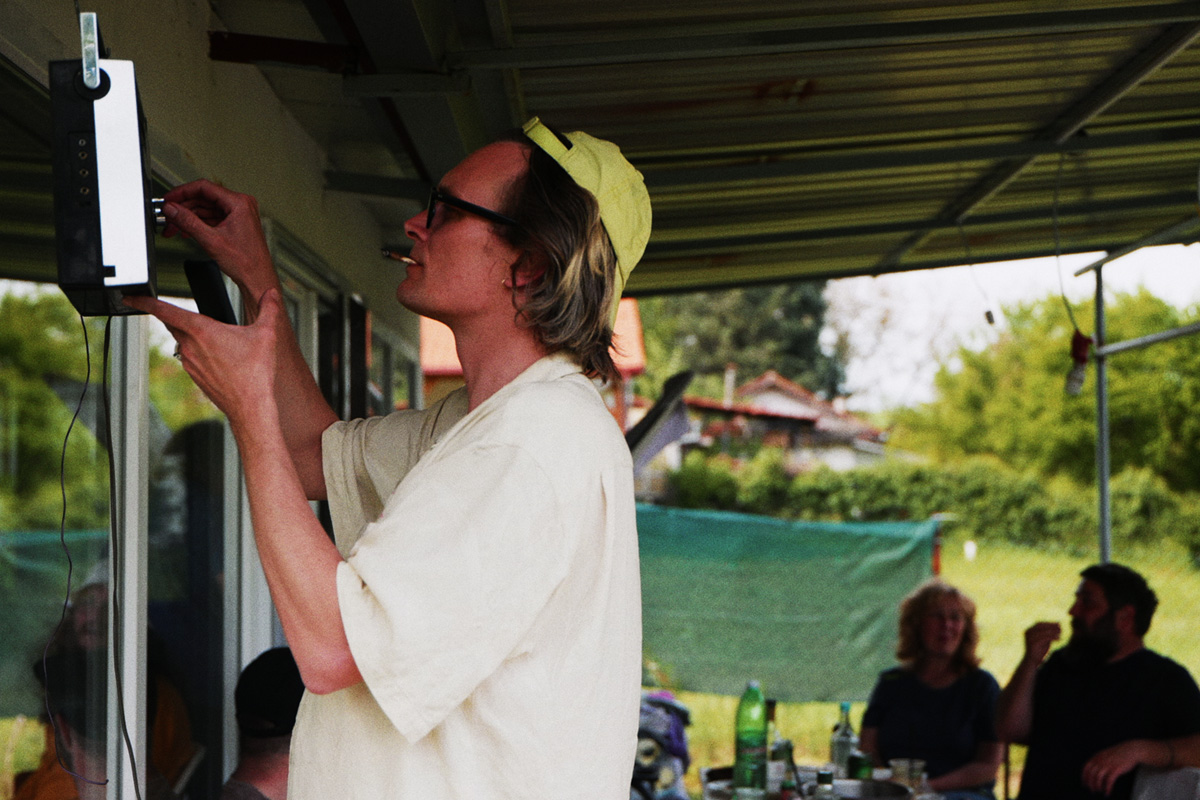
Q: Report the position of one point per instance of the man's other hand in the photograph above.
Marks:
(1103, 769)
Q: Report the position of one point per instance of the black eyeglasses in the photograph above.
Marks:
(437, 196)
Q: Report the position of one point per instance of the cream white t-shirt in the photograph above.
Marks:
(491, 597)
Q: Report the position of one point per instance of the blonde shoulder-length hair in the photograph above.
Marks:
(569, 306)
(910, 650)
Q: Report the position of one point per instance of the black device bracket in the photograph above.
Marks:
(104, 217)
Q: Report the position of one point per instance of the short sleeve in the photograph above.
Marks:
(446, 585)
(365, 459)
(877, 703)
(1181, 701)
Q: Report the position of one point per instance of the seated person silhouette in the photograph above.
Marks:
(77, 699)
(267, 696)
(1104, 704)
(938, 705)
(84, 635)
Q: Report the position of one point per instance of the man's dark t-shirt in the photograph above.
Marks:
(1080, 709)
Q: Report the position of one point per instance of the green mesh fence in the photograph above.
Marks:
(807, 608)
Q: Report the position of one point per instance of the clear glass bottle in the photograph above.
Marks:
(779, 750)
(843, 742)
(824, 790)
(750, 745)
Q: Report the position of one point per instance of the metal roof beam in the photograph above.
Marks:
(1171, 233)
(774, 36)
(848, 162)
(408, 85)
(862, 161)
(244, 48)
(1143, 64)
(654, 278)
(663, 245)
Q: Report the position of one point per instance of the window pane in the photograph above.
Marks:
(54, 633)
(41, 381)
(185, 643)
(379, 395)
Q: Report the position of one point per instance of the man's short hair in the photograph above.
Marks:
(1124, 587)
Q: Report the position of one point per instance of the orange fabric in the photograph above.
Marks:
(171, 744)
(171, 748)
(49, 781)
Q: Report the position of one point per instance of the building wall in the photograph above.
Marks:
(219, 121)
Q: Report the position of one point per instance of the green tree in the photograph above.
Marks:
(759, 328)
(174, 395)
(43, 366)
(41, 338)
(1008, 400)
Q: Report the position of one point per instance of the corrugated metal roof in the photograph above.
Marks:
(779, 140)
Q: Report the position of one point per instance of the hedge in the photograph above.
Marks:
(988, 499)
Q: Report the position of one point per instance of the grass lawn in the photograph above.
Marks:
(21, 745)
(1012, 587)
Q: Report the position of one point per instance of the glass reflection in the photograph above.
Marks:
(63, 645)
(53, 527)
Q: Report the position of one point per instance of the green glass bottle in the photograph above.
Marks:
(750, 745)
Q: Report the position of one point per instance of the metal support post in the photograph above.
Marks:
(1102, 439)
(129, 388)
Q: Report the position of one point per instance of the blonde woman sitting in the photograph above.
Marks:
(938, 705)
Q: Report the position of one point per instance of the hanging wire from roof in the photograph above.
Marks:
(1081, 343)
(987, 301)
(1062, 291)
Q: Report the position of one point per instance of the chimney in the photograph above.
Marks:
(730, 383)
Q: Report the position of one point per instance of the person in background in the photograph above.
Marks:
(1103, 704)
(266, 699)
(474, 631)
(938, 705)
(85, 633)
(74, 681)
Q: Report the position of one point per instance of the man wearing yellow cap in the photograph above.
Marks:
(476, 632)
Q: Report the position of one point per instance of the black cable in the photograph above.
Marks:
(62, 538)
(1062, 289)
(115, 556)
(987, 301)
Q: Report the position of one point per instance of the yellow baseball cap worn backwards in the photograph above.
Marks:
(598, 166)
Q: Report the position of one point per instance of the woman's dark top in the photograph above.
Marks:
(942, 726)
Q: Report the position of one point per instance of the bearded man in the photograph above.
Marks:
(1103, 704)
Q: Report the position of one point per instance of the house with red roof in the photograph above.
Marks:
(774, 411)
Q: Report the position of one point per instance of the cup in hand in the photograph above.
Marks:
(907, 771)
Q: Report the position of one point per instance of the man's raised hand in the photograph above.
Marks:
(233, 365)
(227, 225)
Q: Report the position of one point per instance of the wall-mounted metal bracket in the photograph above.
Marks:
(89, 36)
